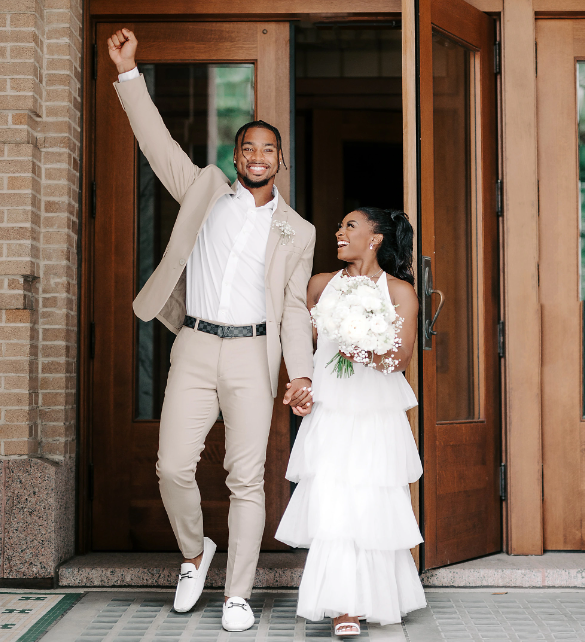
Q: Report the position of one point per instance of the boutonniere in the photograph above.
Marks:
(286, 231)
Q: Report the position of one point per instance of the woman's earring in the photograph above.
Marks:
(371, 246)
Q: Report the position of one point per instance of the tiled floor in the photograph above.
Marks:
(148, 617)
(491, 617)
(127, 615)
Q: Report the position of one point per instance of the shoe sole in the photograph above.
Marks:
(238, 630)
(186, 610)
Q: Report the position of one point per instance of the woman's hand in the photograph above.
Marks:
(349, 357)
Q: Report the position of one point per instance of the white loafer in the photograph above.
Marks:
(237, 615)
(192, 579)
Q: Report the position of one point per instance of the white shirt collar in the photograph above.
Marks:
(246, 197)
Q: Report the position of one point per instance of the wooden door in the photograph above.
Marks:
(560, 86)
(207, 79)
(460, 391)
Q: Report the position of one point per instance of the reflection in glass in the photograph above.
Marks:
(203, 106)
(456, 234)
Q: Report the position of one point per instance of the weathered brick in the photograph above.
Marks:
(19, 316)
(22, 84)
(15, 431)
(22, 20)
(20, 447)
(22, 52)
(61, 448)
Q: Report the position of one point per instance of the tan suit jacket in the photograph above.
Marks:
(288, 266)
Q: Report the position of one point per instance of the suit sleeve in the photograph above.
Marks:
(296, 333)
(169, 162)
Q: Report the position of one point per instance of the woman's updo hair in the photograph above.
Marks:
(395, 252)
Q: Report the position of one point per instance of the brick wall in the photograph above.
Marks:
(40, 102)
(40, 105)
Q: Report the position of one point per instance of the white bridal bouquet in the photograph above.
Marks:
(361, 320)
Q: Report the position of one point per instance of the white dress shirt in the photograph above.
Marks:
(225, 272)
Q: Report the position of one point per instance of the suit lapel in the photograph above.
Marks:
(273, 242)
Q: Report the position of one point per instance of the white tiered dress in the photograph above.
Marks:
(353, 459)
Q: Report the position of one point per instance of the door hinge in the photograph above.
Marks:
(503, 482)
(93, 199)
(92, 340)
(95, 61)
(535, 58)
(499, 197)
(501, 346)
(90, 482)
(497, 57)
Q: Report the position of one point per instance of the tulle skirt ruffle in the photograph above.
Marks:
(353, 459)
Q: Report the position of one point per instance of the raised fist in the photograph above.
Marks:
(122, 48)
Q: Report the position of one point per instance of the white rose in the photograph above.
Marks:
(330, 326)
(378, 324)
(342, 284)
(342, 310)
(327, 303)
(364, 291)
(372, 303)
(354, 329)
(368, 343)
(352, 299)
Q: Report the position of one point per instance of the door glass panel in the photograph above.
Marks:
(203, 106)
(456, 231)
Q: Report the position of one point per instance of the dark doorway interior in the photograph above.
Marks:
(348, 126)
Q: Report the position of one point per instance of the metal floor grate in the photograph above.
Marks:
(140, 619)
(506, 617)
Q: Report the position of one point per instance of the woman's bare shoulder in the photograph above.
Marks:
(401, 290)
(317, 284)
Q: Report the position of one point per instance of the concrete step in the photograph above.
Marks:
(553, 569)
(284, 570)
(275, 570)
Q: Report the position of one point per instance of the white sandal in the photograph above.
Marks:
(353, 629)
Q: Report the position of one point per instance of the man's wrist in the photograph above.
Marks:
(125, 66)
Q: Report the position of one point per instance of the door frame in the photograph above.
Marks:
(138, 11)
(267, 10)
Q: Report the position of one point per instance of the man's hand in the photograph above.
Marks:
(122, 47)
(299, 395)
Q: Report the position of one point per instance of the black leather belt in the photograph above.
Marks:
(226, 331)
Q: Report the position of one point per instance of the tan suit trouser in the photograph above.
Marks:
(208, 373)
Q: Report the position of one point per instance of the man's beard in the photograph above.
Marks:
(250, 184)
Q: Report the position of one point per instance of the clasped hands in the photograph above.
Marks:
(299, 396)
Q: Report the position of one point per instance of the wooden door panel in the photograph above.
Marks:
(560, 44)
(461, 416)
(127, 511)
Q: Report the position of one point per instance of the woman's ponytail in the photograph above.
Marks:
(395, 252)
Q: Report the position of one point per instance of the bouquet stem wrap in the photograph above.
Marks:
(342, 366)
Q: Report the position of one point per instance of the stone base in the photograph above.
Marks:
(37, 512)
(553, 569)
(275, 570)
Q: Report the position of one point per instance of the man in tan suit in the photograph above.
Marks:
(232, 285)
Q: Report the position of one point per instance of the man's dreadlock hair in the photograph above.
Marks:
(262, 125)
